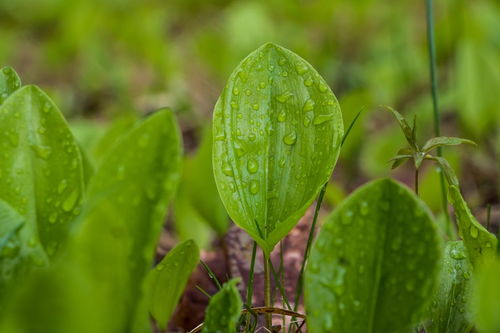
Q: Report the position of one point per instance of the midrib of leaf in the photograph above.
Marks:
(378, 273)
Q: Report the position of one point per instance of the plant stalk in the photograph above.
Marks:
(416, 181)
(267, 292)
(435, 105)
(250, 284)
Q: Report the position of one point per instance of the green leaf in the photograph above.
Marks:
(446, 168)
(399, 160)
(444, 141)
(41, 174)
(224, 309)
(375, 263)
(486, 296)
(407, 130)
(200, 189)
(9, 82)
(478, 241)
(12, 250)
(168, 280)
(106, 264)
(277, 133)
(117, 129)
(449, 312)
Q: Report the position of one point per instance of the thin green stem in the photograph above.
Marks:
(267, 292)
(435, 105)
(300, 281)
(282, 283)
(211, 274)
(250, 284)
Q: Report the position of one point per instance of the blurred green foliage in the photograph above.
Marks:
(102, 59)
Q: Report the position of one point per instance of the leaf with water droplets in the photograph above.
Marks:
(9, 82)
(34, 162)
(106, 264)
(270, 161)
(449, 310)
(374, 264)
(168, 280)
(224, 309)
(478, 241)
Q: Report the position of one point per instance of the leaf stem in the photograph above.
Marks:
(267, 292)
(300, 281)
(211, 274)
(250, 283)
(435, 105)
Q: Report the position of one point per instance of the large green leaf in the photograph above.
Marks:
(449, 312)
(375, 263)
(98, 284)
(486, 296)
(478, 241)
(117, 129)
(9, 82)
(277, 132)
(168, 280)
(224, 309)
(41, 174)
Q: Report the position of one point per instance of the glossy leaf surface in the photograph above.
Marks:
(374, 265)
(449, 312)
(478, 241)
(486, 293)
(9, 82)
(41, 167)
(168, 280)
(224, 309)
(277, 132)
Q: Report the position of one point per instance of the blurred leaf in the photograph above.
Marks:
(376, 257)
(444, 141)
(42, 167)
(117, 129)
(449, 312)
(9, 82)
(111, 253)
(478, 241)
(486, 296)
(200, 189)
(168, 280)
(12, 250)
(277, 132)
(224, 309)
(188, 223)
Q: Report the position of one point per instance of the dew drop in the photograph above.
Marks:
(70, 201)
(236, 91)
(308, 105)
(290, 138)
(255, 106)
(262, 85)
(322, 87)
(42, 152)
(252, 165)
(227, 170)
(62, 186)
(254, 186)
(301, 68)
(322, 118)
(282, 116)
(284, 97)
(308, 82)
